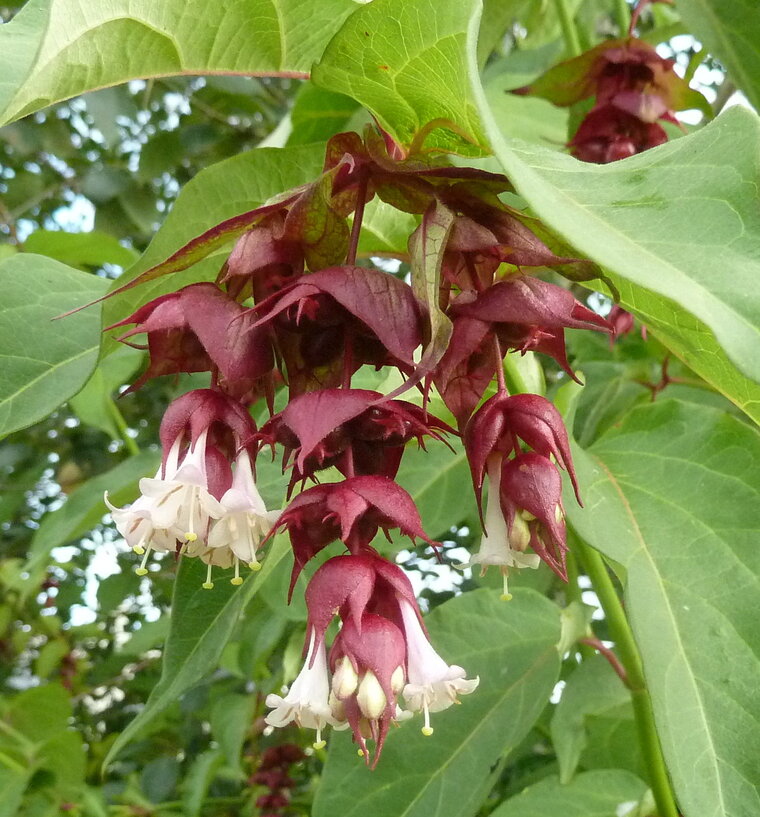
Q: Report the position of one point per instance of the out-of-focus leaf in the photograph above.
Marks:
(612, 793)
(80, 249)
(43, 363)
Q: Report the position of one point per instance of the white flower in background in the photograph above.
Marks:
(500, 547)
(432, 684)
(307, 702)
(237, 533)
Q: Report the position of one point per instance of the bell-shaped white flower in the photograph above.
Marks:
(181, 502)
(499, 546)
(432, 685)
(308, 700)
(236, 535)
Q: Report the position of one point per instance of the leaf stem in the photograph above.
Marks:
(361, 195)
(569, 31)
(121, 425)
(628, 653)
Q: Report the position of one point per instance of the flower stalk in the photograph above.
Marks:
(628, 653)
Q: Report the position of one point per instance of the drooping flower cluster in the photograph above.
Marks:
(316, 318)
(634, 90)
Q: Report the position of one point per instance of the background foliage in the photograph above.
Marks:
(131, 127)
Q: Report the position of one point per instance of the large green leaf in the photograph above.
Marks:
(512, 646)
(56, 49)
(673, 495)
(680, 221)
(729, 29)
(201, 624)
(612, 793)
(403, 61)
(43, 363)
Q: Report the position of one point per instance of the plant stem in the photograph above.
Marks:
(573, 592)
(623, 17)
(361, 195)
(502, 386)
(628, 653)
(121, 424)
(569, 31)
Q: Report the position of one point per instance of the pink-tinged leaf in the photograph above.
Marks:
(427, 246)
(529, 301)
(467, 367)
(204, 244)
(321, 230)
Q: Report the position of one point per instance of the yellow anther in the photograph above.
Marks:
(320, 744)
(142, 571)
(427, 731)
(506, 597)
(191, 537)
(254, 566)
(238, 580)
(138, 549)
(208, 585)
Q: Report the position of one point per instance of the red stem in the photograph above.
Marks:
(610, 656)
(499, 365)
(361, 194)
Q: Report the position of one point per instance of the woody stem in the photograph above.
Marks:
(361, 195)
(499, 360)
(620, 630)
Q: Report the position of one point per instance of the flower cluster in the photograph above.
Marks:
(634, 90)
(273, 774)
(291, 309)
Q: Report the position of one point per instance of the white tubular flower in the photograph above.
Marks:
(433, 685)
(500, 547)
(307, 702)
(181, 502)
(236, 535)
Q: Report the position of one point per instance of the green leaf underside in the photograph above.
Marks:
(729, 29)
(672, 494)
(404, 62)
(603, 793)
(223, 191)
(511, 645)
(56, 49)
(680, 220)
(44, 362)
(201, 624)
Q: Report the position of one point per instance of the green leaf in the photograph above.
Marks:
(439, 481)
(94, 405)
(385, 230)
(730, 30)
(222, 191)
(612, 793)
(198, 780)
(512, 646)
(202, 622)
(672, 495)
(318, 114)
(592, 691)
(56, 49)
(426, 248)
(403, 60)
(231, 718)
(43, 363)
(680, 221)
(80, 249)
